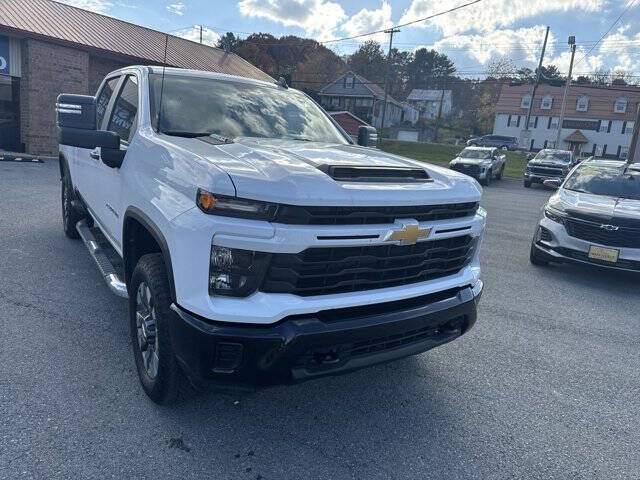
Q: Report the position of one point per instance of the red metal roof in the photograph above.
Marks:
(61, 23)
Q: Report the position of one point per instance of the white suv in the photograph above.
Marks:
(256, 243)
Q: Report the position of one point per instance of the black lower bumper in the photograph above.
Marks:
(567, 255)
(330, 342)
(533, 178)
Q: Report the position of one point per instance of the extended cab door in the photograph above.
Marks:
(121, 118)
(84, 164)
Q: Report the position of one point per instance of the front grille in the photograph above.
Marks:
(624, 237)
(469, 169)
(322, 271)
(298, 215)
(547, 171)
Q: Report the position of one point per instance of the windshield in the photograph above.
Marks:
(555, 156)
(198, 106)
(609, 181)
(479, 154)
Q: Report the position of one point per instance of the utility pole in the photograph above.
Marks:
(200, 34)
(572, 43)
(435, 134)
(634, 139)
(524, 135)
(386, 78)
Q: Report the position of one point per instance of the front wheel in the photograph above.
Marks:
(149, 314)
(70, 217)
(527, 184)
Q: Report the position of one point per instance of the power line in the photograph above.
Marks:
(404, 24)
(609, 30)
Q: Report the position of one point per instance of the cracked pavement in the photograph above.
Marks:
(545, 386)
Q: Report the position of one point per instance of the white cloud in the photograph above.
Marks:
(521, 45)
(209, 37)
(489, 15)
(369, 21)
(177, 8)
(317, 17)
(100, 6)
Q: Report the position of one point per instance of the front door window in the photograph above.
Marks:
(10, 114)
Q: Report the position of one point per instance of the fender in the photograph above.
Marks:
(156, 233)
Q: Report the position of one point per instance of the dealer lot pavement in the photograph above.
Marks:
(547, 384)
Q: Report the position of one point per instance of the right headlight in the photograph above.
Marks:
(234, 272)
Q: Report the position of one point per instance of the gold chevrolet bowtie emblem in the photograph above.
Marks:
(409, 234)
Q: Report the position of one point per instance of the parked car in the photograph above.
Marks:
(255, 242)
(549, 164)
(481, 163)
(593, 218)
(498, 141)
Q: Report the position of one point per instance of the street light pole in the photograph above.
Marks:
(633, 148)
(386, 77)
(535, 86)
(572, 43)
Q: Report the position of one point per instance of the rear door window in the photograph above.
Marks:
(125, 110)
(102, 101)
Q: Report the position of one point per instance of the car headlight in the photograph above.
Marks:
(224, 205)
(234, 272)
(554, 215)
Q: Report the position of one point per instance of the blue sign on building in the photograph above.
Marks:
(4, 55)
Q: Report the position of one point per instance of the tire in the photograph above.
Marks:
(527, 184)
(149, 290)
(535, 259)
(487, 180)
(500, 173)
(70, 217)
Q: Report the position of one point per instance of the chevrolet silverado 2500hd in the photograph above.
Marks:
(256, 244)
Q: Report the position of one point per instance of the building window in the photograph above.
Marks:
(620, 106)
(364, 102)
(623, 152)
(526, 101)
(335, 101)
(554, 123)
(582, 105)
(348, 82)
(630, 127)
(547, 102)
(604, 126)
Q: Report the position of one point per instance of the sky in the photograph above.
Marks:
(473, 36)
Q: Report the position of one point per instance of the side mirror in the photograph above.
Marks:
(552, 183)
(367, 136)
(77, 124)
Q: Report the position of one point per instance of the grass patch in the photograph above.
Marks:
(442, 154)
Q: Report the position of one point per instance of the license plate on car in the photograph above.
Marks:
(604, 254)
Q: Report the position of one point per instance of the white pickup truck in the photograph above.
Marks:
(255, 242)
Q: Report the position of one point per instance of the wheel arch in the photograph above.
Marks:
(140, 236)
(62, 163)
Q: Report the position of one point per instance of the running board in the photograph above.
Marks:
(107, 270)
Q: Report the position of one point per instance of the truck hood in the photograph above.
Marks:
(470, 161)
(597, 208)
(290, 172)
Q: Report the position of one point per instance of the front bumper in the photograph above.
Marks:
(330, 342)
(537, 178)
(563, 248)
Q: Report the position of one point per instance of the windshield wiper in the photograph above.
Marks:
(178, 133)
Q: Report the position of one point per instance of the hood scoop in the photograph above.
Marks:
(375, 174)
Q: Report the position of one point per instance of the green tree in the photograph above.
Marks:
(429, 69)
(368, 61)
(228, 42)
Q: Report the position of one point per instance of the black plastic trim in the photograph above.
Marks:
(138, 215)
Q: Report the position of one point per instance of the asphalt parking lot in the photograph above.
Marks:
(547, 385)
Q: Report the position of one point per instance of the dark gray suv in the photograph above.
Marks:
(497, 141)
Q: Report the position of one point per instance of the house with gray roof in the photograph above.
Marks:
(428, 102)
(353, 93)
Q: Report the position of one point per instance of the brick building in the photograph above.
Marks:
(598, 120)
(47, 48)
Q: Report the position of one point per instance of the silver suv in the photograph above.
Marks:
(593, 218)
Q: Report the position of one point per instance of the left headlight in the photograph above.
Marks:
(554, 215)
(234, 272)
(224, 205)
